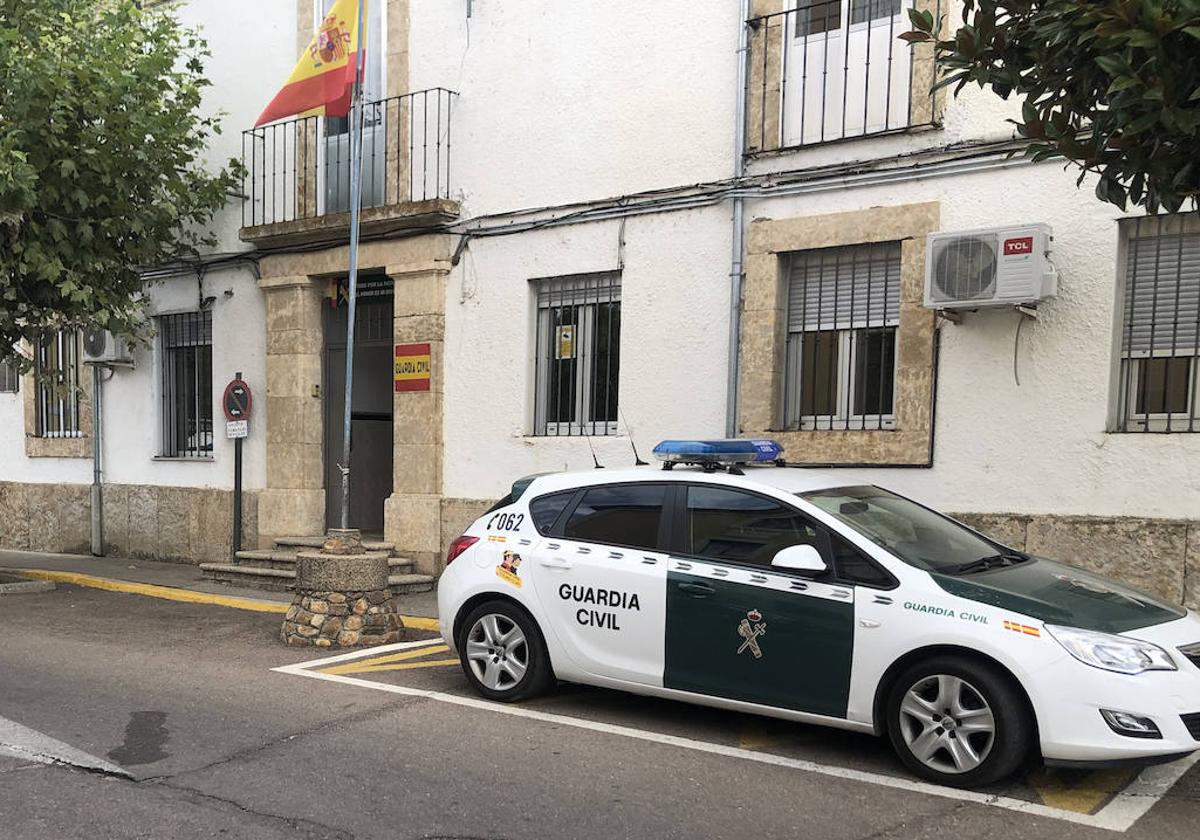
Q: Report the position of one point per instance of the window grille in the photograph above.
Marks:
(577, 360)
(843, 310)
(185, 343)
(56, 378)
(1159, 373)
(9, 378)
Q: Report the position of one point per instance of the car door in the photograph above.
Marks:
(738, 629)
(601, 581)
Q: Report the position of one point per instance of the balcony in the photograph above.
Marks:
(826, 71)
(297, 184)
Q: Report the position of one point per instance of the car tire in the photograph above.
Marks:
(503, 653)
(959, 722)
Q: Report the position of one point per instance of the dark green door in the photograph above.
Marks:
(739, 630)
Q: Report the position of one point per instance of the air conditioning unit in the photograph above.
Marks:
(989, 267)
(102, 347)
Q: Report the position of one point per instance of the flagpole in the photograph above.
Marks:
(356, 121)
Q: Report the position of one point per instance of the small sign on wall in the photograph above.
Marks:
(412, 367)
(564, 342)
(235, 429)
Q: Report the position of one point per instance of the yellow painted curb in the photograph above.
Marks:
(169, 593)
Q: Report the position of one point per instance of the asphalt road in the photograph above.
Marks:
(215, 743)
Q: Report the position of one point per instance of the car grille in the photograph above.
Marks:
(1192, 652)
(1192, 722)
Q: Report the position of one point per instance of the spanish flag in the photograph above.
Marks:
(323, 79)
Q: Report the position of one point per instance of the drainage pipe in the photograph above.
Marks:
(97, 490)
(738, 237)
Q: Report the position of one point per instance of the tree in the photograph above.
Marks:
(1112, 86)
(101, 161)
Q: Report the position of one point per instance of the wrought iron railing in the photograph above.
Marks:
(830, 70)
(300, 168)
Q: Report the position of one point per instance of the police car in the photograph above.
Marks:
(793, 593)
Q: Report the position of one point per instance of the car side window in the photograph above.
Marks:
(852, 566)
(545, 510)
(619, 514)
(733, 525)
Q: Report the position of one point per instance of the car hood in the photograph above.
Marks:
(1057, 593)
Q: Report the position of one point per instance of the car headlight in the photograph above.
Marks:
(1112, 653)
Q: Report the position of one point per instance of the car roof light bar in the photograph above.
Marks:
(714, 454)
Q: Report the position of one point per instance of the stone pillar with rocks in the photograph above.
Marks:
(342, 597)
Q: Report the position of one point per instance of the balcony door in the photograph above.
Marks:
(334, 149)
(845, 71)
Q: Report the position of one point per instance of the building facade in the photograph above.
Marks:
(589, 229)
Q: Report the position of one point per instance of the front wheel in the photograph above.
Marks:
(958, 722)
(503, 654)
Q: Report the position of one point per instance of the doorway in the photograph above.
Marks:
(371, 410)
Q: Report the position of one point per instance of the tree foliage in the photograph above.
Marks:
(1113, 86)
(101, 160)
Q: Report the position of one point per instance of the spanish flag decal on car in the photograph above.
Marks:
(1022, 628)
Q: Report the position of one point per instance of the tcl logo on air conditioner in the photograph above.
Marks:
(998, 266)
(1018, 247)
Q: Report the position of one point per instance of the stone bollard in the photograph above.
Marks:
(342, 597)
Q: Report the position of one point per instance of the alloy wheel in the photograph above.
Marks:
(947, 724)
(497, 652)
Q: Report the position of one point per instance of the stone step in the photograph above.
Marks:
(281, 580)
(282, 559)
(317, 542)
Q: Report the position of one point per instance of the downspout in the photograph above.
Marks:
(735, 267)
(97, 491)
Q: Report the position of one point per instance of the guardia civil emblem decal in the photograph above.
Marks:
(750, 628)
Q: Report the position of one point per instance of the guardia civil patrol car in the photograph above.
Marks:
(791, 593)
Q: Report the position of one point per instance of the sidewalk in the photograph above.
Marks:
(142, 577)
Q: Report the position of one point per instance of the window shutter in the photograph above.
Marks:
(844, 288)
(1162, 296)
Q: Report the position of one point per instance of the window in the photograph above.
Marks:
(740, 527)
(56, 365)
(843, 308)
(1160, 325)
(623, 514)
(185, 343)
(852, 566)
(577, 364)
(9, 379)
(545, 510)
(821, 16)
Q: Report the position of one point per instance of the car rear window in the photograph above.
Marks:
(624, 514)
(545, 510)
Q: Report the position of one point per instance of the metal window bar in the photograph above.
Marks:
(300, 168)
(577, 354)
(1158, 378)
(852, 77)
(185, 345)
(843, 313)
(56, 378)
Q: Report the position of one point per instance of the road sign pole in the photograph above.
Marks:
(237, 489)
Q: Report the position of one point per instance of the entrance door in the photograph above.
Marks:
(739, 630)
(371, 413)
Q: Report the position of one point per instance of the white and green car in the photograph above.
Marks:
(790, 593)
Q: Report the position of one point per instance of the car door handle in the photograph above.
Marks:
(554, 563)
(697, 590)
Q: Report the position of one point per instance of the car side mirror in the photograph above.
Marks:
(799, 558)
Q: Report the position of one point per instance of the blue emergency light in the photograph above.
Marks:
(711, 454)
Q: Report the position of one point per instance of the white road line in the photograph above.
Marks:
(1119, 815)
(17, 741)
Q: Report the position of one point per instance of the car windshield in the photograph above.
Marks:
(915, 534)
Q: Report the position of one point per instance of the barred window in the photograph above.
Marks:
(9, 378)
(1160, 325)
(577, 361)
(56, 379)
(185, 348)
(843, 309)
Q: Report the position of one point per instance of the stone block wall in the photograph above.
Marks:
(1161, 556)
(179, 524)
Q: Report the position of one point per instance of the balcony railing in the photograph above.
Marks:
(830, 70)
(300, 168)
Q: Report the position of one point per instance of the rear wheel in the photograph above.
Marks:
(503, 654)
(958, 722)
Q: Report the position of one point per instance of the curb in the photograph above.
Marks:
(170, 593)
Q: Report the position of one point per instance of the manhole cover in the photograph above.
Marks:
(14, 585)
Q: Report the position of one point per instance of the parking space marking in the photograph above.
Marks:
(395, 661)
(1119, 815)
